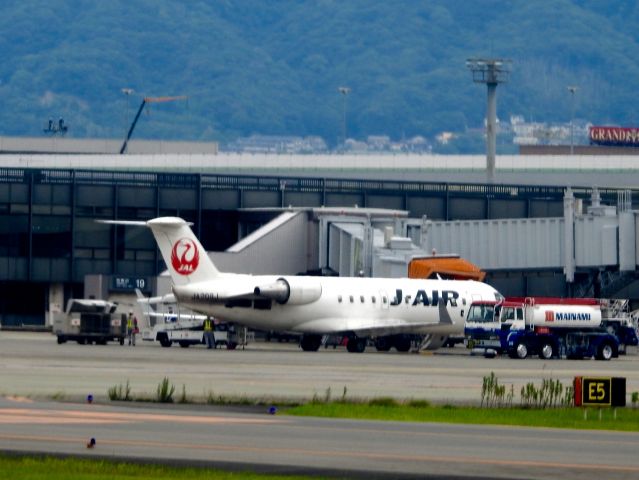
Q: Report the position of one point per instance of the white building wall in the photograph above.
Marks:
(188, 156)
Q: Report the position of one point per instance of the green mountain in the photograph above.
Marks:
(275, 67)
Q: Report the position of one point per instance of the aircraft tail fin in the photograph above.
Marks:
(182, 252)
(151, 301)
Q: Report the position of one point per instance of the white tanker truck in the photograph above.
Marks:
(551, 327)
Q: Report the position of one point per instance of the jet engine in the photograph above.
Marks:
(292, 290)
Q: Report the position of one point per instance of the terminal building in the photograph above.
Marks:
(531, 239)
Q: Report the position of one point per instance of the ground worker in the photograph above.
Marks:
(131, 328)
(209, 338)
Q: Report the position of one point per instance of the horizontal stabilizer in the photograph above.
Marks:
(168, 298)
(133, 223)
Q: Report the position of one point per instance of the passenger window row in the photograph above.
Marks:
(362, 299)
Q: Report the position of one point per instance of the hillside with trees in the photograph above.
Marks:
(275, 67)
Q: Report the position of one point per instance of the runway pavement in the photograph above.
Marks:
(34, 370)
(34, 365)
(362, 449)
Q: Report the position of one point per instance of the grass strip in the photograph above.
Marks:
(50, 468)
(627, 419)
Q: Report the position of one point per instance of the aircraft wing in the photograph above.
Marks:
(389, 327)
(393, 325)
(366, 326)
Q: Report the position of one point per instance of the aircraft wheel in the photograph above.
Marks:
(311, 343)
(356, 345)
(382, 344)
(402, 344)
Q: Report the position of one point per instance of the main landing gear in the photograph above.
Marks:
(356, 345)
(402, 343)
(311, 343)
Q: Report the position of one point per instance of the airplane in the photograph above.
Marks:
(356, 307)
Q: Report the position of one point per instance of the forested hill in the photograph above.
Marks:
(254, 66)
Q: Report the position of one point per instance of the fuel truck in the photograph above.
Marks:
(551, 327)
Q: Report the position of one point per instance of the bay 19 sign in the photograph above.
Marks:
(129, 284)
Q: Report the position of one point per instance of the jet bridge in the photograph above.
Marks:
(592, 250)
(589, 251)
(584, 253)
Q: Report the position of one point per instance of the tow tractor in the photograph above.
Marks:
(89, 321)
(176, 325)
(186, 330)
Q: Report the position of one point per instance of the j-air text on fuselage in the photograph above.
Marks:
(388, 309)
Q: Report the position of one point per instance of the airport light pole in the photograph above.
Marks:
(492, 72)
(344, 91)
(572, 89)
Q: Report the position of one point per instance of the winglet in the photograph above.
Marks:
(444, 316)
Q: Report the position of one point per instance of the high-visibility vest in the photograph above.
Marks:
(207, 325)
(129, 322)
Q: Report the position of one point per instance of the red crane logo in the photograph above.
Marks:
(185, 256)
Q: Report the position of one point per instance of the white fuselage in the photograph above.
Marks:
(362, 305)
(312, 305)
